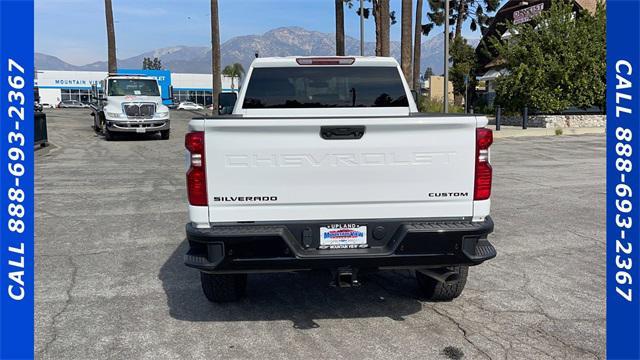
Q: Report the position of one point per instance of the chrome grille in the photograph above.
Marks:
(139, 110)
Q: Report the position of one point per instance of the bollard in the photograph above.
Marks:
(40, 129)
(498, 118)
(525, 117)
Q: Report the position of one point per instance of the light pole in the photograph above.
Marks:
(446, 56)
(466, 93)
(361, 28)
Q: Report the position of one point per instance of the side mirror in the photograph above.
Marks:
(415, 95)
(93, 94)
(226, 102)
(170, 94)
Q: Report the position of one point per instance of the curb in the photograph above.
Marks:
(507, 132)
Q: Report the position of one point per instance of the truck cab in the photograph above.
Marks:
(129, 104)
(326, 163)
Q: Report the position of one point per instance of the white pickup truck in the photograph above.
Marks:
(326, 163)
(129, 104)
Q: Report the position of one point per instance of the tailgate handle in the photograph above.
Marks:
(341, 132)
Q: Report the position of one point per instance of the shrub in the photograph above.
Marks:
(436, 106)
(554, 62)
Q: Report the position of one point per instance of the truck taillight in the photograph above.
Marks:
(196, 176)
(484, 173)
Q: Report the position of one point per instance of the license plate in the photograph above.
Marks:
(343, 236)
(141, 130)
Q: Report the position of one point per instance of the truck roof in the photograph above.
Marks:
(292, 61)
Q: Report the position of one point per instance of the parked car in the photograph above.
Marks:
(307, 173)
(47, 106)
(66, 104)
(188, 105)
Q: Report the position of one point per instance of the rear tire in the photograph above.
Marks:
(164, 134)
(221, 288)
(435, 290)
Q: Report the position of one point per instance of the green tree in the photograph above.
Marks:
(235, 71)
(428, 73)
(556, 62)
(151, 64)
(459, 12)
(463, 58)
(156, 64)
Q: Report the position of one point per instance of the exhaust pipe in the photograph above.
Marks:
(442, 275)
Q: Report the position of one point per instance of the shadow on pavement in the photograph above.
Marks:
(299, 297)
(150, 136)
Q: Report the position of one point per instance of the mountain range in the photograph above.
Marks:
(283, 41)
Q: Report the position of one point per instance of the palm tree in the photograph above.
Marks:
(235, 71)
(405, 41)
(111, 37)
(215, 55)
(339, 27)
(382, 17)
(417, 46)
(459, 12)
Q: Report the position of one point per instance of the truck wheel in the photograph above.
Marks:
(164, 134)
(95, 126)
(435, 290)
(108, 135)
(223, 287)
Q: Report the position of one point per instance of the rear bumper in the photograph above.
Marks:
(289, 246)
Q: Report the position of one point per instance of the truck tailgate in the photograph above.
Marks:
(283, 169)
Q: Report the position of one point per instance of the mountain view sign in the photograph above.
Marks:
(526, 14)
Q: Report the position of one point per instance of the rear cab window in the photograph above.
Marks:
(325, 87)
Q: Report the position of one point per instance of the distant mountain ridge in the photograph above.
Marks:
(283, 41)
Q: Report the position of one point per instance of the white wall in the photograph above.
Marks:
(200, 81)
(68, 79)
(50, 82)
(50, 96)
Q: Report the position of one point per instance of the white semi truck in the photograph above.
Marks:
(129, 104)
(326, 163)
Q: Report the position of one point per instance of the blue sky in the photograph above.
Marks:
(74, 30)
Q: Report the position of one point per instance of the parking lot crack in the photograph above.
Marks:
(67, 302)
(463, 330)
(553, 320)
(597, 241)
(110, 251)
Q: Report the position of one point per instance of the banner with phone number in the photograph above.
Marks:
(16, 179)
(623, 182)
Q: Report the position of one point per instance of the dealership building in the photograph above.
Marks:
(55, 86)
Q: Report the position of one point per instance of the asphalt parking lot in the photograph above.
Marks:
(110, 282)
